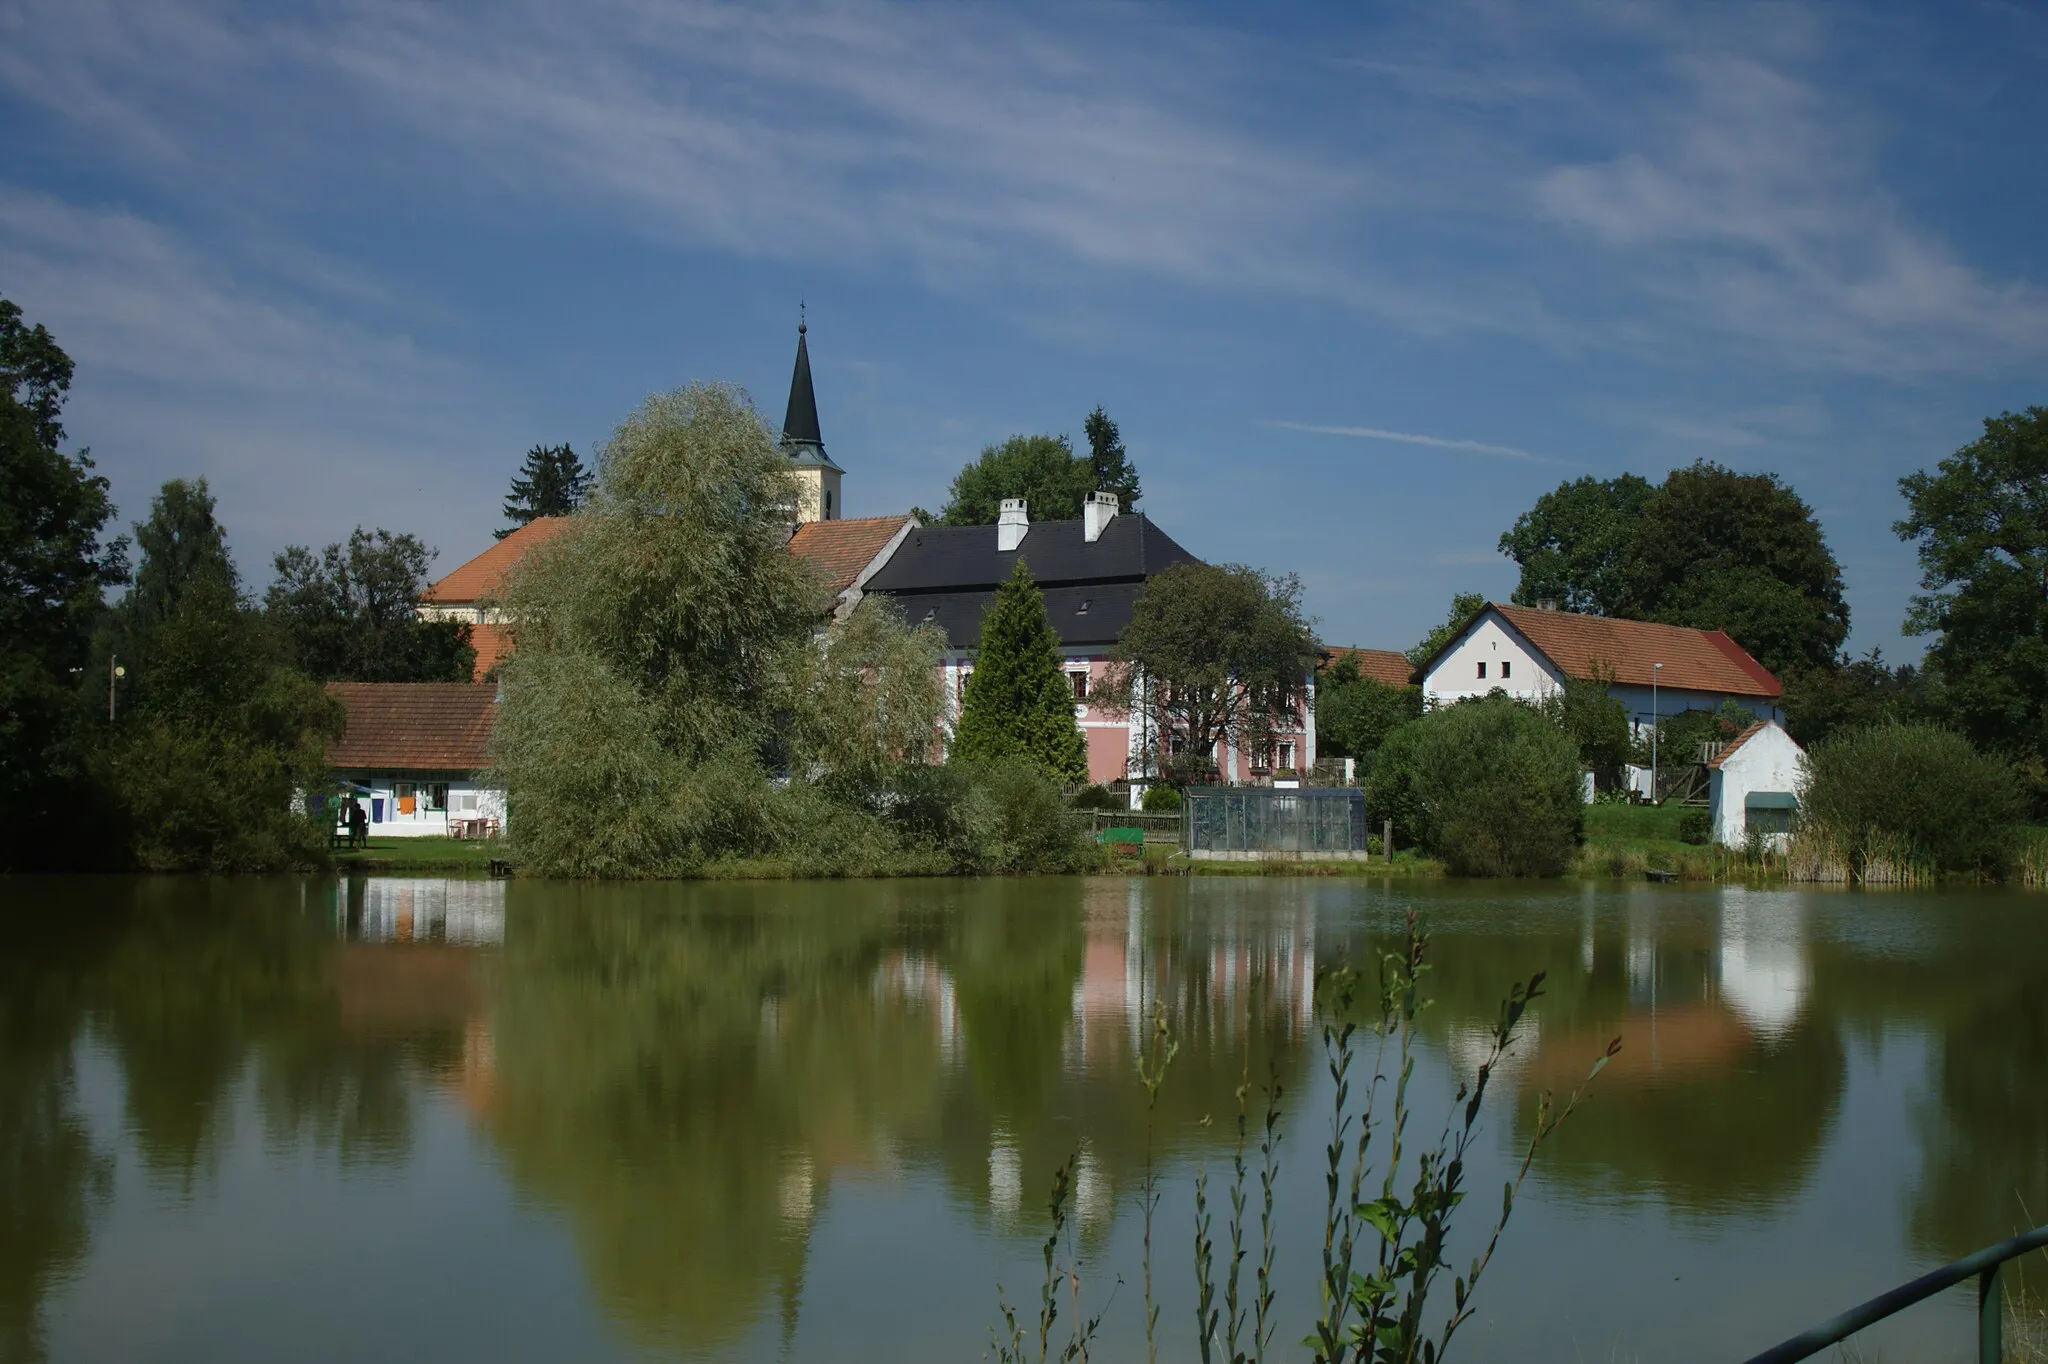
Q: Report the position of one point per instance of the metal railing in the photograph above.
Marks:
(1983, 1267)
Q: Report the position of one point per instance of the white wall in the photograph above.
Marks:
(463, 791)
(1488, 640)
(1769, 761)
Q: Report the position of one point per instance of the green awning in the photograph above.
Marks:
(1770, 800)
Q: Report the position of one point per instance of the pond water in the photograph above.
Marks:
(462, 1119)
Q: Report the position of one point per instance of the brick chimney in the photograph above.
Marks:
(1011, 525)
(1099, 510)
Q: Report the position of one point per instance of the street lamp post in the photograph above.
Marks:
(115, 672)
(1655, 668)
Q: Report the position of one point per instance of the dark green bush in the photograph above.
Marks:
(1914, 791)
(1489, 786)
(1695, 827)
(1097, 797)
(1160, 798)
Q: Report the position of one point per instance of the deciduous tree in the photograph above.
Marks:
(1573, 544)
(1043, 470)
(1354, 715)
(1980, 522)
(1743, 553)
(1213, 652)
(1019, 703)
(53, 569)
(350, 613)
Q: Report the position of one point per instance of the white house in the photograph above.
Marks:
(414, 753)
(1653, 670)
(1753, 785)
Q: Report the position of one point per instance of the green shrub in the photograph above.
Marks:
(1695, 827)
(1908, 795)
(1489, 786)
(1097, 797)
(1160, 798)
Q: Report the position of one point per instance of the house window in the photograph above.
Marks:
(1482, 672)
(965, 673)
(1504, 667)
(1287, 755)
(1080, 683)
(436, 794)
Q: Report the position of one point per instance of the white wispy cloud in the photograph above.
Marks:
(1478, 447)
(1413, 177)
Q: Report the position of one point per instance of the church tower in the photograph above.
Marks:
(817, 476)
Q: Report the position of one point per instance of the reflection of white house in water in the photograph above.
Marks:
(422, 909)
(1764, 967)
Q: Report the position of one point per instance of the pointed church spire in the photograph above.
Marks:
(800, 422)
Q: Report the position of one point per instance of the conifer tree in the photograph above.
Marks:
(552, 482)
(1019, 703)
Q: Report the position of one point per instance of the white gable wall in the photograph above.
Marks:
(1529, 675)
(1769, 761)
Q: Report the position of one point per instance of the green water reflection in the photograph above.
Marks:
(675, 1080)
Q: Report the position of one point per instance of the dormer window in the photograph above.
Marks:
(1082, 609)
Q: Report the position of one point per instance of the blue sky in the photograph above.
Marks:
(1359, 282)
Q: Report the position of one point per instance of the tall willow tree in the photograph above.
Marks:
(667, 667)
(645, 636)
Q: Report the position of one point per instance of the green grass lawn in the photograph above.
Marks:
(420, 854)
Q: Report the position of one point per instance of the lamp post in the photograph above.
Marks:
(1655, 668)
(115, 672)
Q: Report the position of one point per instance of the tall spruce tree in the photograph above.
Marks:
(1108, 462)
(1019, 703)
(552, 482)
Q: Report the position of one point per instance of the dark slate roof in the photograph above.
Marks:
(800, 434)
(1087, 614)
(961, 558)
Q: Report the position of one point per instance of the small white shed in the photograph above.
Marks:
(1753, 785)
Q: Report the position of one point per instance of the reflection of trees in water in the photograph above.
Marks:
(50, 1172)
(1971, 981)
(193, 985)
(685, 1072)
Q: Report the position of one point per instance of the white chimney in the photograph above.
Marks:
(1097, 512)
(1011, 525)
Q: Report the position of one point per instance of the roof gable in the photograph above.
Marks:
(1583, 646)
(414, 726)
(842, 550)
(965, 558)
(484, 574)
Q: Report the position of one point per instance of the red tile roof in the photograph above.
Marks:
(1694, 660)
(1379, 665)
(493, 645)
(481, 576)
(414, 726)
(841, 550)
